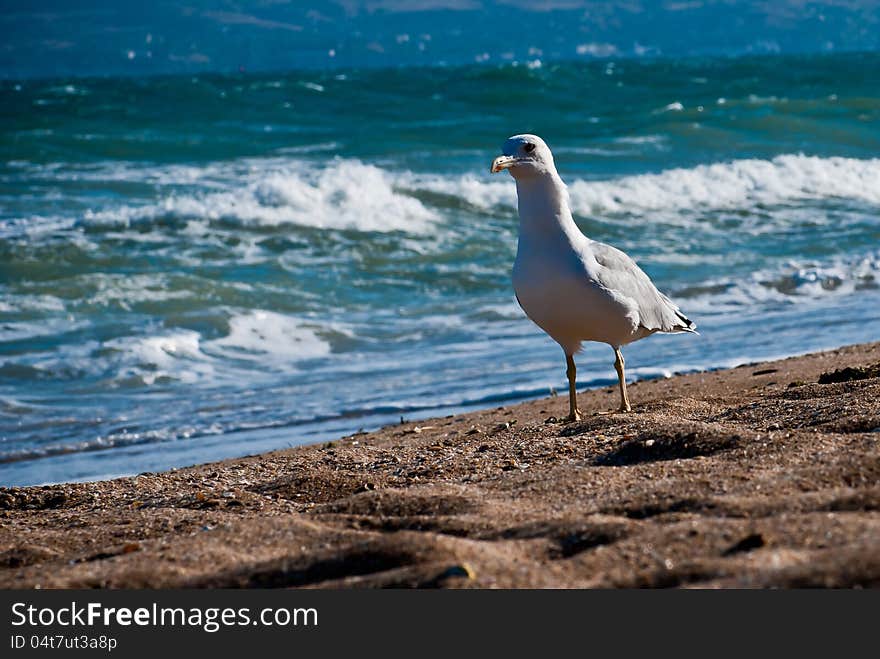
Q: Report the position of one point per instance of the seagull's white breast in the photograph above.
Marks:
(557, 290)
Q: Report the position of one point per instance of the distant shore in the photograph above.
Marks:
(765, 475)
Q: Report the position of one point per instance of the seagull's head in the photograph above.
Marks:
(524, 156)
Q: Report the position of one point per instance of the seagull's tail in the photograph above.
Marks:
(681, 323)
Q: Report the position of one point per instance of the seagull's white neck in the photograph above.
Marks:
(544, 212)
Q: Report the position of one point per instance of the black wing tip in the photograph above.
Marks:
(689, 325)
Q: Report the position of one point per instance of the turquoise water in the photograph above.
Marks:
(199, 268)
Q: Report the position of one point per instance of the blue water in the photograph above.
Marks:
(194, 268)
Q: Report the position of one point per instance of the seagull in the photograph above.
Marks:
(572, 287)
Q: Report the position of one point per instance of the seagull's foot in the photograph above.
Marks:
(619, 410)
(574, 416)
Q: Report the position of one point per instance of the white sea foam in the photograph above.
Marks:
(174, 355)
(737, 184)
(676, 106)
(16, 303)
(256, 334)
(476, 192)
(641, 139)
(35, 227)
(349, 194)
(596, 49)
(125, 290)
(275, 341)
(346, 194)
(310, 148)
(791, 281)
(24, 330)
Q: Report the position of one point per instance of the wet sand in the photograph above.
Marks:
(766, 475)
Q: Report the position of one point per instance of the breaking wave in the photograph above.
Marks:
(739, 184)
(791, 282)
(736, 184)
(344, 195)
(347, 194)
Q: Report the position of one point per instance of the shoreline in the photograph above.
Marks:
(263, 438)
(755, 476)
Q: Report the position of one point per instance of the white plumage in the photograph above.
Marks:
(572, 287)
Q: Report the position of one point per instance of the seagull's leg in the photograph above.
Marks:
(618, 365)
(574, 413)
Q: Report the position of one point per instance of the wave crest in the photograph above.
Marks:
(737, 184)
(793, 281)
(345, 195)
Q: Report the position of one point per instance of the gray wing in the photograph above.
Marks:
(620, 274)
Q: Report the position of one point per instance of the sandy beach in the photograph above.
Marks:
(765, 475)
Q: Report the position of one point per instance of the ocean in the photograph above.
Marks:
(196, 268)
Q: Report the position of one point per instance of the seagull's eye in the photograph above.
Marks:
(529, 147)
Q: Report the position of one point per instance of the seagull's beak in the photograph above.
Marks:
(501, 163)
